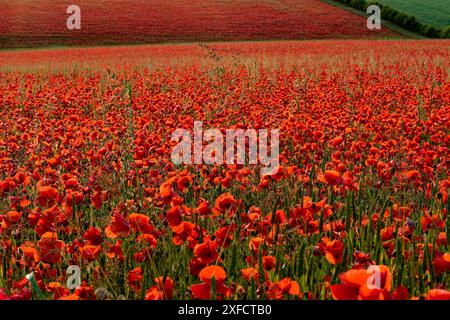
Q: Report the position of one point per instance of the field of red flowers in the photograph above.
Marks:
(43, 22)
(86, 176)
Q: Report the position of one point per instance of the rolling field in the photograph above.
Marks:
(25, 23)
(87, 178)
(356, 208)
(433, 12)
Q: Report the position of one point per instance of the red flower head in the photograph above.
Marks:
(334, 251)
(140, 223)
(203, 290)
(330, 177)
(224, 204)
(371, 284)
(283, 287)
(47, 195)
(50, 248)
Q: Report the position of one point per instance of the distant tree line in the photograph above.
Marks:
(401, 19)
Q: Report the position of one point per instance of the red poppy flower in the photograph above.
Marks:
(29, 252)
(93, 236)
(371, 284)
(50, 248)
(11, 218)
(134, 278)
(186, 231)
(203, 209)
(438, 294)
(283, 287)
(330, 177)
(166, 191)
(183, 182)
(255, 243)
(334, 251)
(174, 216)
(162, 290)
(118, 227)
(268, 262)
(90, 252)
(140, 223)
(47, 195)
(224, 204)
(225, 235)
(148, 239)
(250, 273)
(206, 252)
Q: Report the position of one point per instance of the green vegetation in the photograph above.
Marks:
(433, 12)
(402, 19)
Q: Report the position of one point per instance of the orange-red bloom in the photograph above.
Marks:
(438, 294)
(283, 287)
(162, 290)
(203, 290)
(359, 284)
(334, 251)
(46, 195)
(50, 247)
(330, 177)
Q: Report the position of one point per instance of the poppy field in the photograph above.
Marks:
(358, 208)
(27, 23)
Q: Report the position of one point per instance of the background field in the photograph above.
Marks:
(40, 23)
(433, 12)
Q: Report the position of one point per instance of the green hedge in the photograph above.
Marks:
(446, 33)
(401, 19)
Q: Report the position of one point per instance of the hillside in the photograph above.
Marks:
(433, 12)
(30, 23)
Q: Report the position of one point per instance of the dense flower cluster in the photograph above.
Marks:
(86, 176)
(154, 21)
